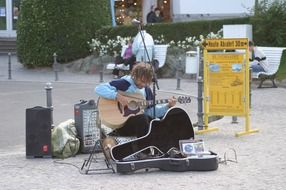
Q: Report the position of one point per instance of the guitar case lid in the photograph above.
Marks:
(163, 134)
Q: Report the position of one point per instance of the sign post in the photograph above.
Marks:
(226, 81)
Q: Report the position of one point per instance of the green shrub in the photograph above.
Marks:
(64, 27)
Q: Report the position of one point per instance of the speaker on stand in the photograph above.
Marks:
(38, 132)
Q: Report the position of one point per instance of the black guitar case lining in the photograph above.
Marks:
(163, 134)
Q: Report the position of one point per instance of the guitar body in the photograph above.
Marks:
(163, 134)
(113, 115)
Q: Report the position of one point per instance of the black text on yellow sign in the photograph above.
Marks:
(229, 44)
(225, 83)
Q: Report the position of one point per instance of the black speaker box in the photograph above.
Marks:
(38, 132)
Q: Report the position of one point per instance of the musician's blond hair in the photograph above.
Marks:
(142, 71)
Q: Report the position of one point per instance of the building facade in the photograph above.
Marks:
(180, 10)
(123, 11)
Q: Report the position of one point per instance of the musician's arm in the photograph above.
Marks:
(109, 90)
(160, 111)
(105, 90)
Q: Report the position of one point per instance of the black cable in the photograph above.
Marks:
(155, 82)
(66, 163)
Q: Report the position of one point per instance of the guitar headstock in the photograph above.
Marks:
(184, 99)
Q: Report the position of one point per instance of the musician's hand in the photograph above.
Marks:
(172, 102)
(122, 100)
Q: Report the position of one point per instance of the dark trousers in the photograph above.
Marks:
(135, 126)
(129, 61)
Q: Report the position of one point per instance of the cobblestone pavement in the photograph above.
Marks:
(260, 164)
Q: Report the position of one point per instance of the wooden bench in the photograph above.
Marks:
(160, 52)
(273, 56)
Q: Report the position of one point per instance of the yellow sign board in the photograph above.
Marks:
(229, 44)
(226, 82)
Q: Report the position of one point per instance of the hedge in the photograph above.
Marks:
(64, 27)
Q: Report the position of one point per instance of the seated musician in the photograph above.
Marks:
(137, 82)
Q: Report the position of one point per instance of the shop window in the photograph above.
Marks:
(164, 6)
(126, 10)
(3, 15)
(15, 11)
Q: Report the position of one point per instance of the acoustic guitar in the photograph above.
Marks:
(114, 115)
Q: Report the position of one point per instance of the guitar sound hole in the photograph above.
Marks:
(132, 105)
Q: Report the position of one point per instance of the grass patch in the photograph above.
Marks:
(281, 74)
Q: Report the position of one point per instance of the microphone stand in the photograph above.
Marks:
(154, 80)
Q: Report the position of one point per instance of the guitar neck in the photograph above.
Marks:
(180, 99)
(150, 102)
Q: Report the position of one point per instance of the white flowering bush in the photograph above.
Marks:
(110, 47)
(96, 47)
(192, 42)
(113, 47)
(160, 39)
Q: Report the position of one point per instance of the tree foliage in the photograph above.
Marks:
(269, 22)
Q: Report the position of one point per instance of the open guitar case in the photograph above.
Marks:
(162, 142)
